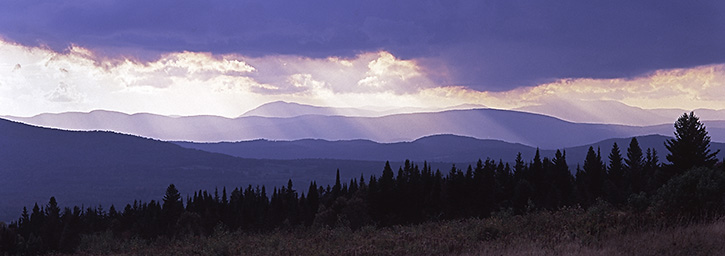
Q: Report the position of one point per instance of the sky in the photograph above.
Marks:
(227, 57)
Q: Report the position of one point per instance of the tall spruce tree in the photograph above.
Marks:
(690, 147)
(595, 172)
(172, 199)
(617, 186)
(563, 180)
(337, 188)
(171, 209)
(520, 168)
(634, 163)
(616, 167)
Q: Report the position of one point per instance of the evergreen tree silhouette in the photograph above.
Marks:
(52, 225)
(616, 165)
(313, 202)
(504, 184)
(563, 180)
(634, 165)
(616, 190)
(171, 209)
(690, 147)
(595, 172)
(651, 170)
(337, 188)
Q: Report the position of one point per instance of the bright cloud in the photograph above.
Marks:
(699, 87)
(37, 80)
(374, 72)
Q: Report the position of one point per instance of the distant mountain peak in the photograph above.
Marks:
(292, 109)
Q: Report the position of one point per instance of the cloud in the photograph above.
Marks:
(185, 65)
(691, 88)
(187, 83)
(365, 73)
(64, 93)
(484, 45)
(194, 83)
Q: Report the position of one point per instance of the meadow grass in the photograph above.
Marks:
(571, 231)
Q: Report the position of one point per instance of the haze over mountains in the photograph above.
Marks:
(291, 109)
(95, 167)
(578, 111)
(437, 148)
(92, 168)
(614, 112)
(534, 130)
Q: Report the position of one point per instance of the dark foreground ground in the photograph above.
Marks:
(597, 231)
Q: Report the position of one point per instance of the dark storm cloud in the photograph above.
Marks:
(485, 45)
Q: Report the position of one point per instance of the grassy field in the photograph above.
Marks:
(573, 231)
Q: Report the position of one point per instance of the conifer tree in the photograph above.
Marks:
(52, 225)
(635, 159)
(690, 147)
(519, 168)
(616, 167)
(563, 179)
(651, 170)
(172, 198)
(634, 164)
(594, 169)
(538, 177)
(616, 187)
(337, 188)
(386, 181)
(171, 209)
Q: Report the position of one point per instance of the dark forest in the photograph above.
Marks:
(690, 184)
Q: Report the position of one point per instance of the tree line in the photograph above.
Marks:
(633, 179)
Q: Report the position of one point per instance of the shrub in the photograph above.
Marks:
(694, 194)
(638, 202)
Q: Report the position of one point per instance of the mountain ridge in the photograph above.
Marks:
(442, 147)
(615, 112)
(532, 129)
(292, 109)
(103, 168)
(100, 167)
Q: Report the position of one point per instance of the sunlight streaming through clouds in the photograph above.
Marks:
(698, 87)
(37, 80)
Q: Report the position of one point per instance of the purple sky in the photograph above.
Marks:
(485, 45)
(226, 57)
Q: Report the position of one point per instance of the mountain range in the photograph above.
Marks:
(577, 111)
(291, 121)
(511, 126)
(104, 168)
(292, 109)
(614, 112)
(437, 148)
(115, 158)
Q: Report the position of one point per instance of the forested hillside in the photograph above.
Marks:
(691, 185)
(103, 168)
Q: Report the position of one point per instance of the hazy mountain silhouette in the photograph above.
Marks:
(291, 109)
(614, 112)
(577, 154)
(510, 126)
(704, 114)
(92, 168)
(600, 112)
(439, 148)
